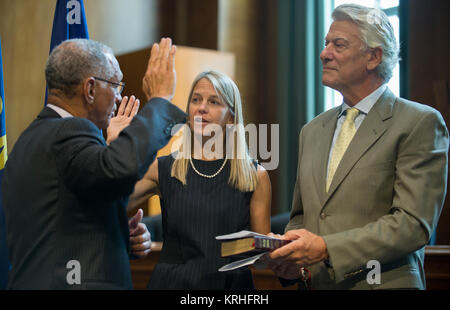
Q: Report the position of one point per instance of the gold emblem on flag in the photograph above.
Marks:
(3, 152)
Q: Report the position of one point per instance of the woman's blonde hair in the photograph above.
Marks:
(243, 174)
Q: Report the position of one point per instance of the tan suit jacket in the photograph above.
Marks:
(385, 199)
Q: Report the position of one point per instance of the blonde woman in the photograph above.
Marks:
(207, 194)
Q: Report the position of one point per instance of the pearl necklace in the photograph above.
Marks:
(205, 175)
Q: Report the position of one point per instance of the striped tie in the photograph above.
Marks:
(345, 137)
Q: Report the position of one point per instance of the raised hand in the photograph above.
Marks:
(160, 78)
(127, 110)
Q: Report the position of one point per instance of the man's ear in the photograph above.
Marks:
(89, 90)
(375, 57)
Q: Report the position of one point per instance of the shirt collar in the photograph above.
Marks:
(63, 113)
(367, 103)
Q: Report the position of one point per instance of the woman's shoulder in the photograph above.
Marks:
(260, 170)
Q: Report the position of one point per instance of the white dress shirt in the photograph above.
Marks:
(63, 113)
(364, 107)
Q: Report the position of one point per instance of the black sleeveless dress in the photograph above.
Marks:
(192, 215)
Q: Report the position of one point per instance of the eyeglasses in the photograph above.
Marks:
(119, 86)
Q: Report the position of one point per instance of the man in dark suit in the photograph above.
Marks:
(65, 189)
(372, 172)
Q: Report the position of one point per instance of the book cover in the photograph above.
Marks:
(247, 242)
(251, 244)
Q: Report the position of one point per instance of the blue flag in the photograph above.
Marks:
(4, 263)
(69, 23)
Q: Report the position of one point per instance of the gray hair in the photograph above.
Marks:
(376, 31)
(73, 60)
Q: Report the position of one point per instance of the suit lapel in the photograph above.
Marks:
(322, 151)
(371, 129)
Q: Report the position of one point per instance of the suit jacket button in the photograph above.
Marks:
(323, 215)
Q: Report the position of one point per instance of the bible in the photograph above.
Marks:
(252, 243)
(248, 243)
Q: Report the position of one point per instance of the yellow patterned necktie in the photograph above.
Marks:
(345, 137)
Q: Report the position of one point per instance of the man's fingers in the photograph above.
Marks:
(130, 106)
(159, 63)
(282, 253)
(138, 239)
(171, 61)
(160, 77)
(136, 219)
(135, 107)
(141, 253)
(294, 234)
(271, 234)
(166, 52)
(162, 53)
(165, 44)
(141, 246)
(122, 106)
(139, 230)
(153, 56)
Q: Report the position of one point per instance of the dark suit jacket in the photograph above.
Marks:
(65, 194)
(385, 198)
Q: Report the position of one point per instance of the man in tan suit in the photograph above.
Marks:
(372, 172)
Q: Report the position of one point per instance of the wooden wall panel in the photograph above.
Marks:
(248, 29)
(429, 70)
(25, 28)
(189, 23)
